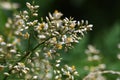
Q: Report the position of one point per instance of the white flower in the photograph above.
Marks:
(3, 43)
(96, 57)
(57, 65)
(8, 5)
(119, 45)
(57, 15)
(35, 77)
(92, 49)
(118, 56)
(42, 36)
(12, 51)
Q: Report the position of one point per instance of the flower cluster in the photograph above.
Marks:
(34, 45)
(8, 51)
(97, 69)
(93, 53)
(66, 72)
(60, 32)
(93, 56)
(20, 67)
(8, 5)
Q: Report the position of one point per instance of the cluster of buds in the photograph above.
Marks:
(93, 56)
(96, 72)
(7, 50)
(8, 5)
(40, 68)
(60, 33)
(50, 36)
(33, 9)
(66, 72)
(21, 68)
(22, 23)
(93, 53)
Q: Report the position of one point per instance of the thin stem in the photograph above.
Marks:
(28, 44)
(24, 57)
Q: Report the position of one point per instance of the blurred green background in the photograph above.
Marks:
(103, 14)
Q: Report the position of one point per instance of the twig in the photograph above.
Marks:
(24, 57)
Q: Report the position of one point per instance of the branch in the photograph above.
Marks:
(24, 57)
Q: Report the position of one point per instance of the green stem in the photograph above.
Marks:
(24, 57)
